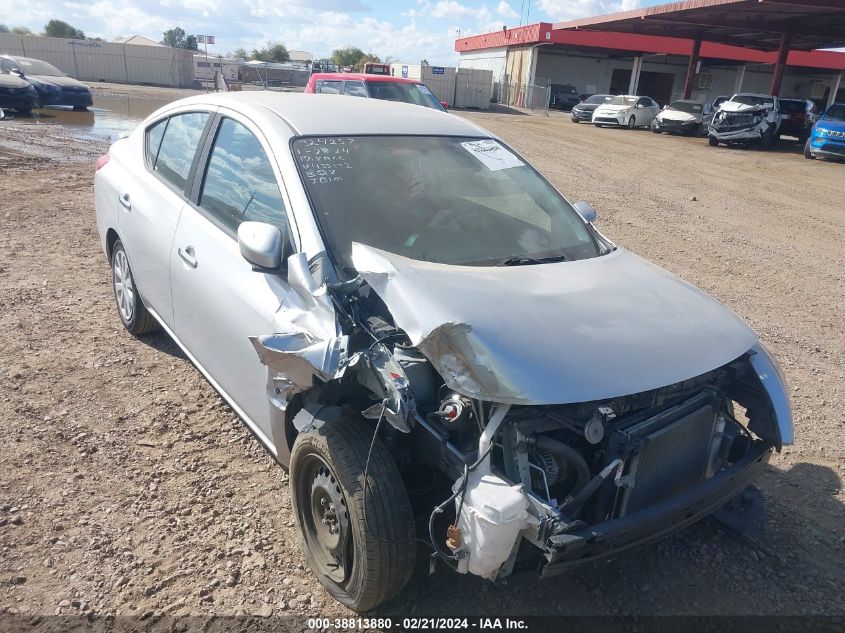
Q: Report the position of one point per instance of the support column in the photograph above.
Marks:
(692, 67)
(780, 64)
(740, 77)
(635, 75)
(831, 98)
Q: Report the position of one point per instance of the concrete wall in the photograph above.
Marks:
(106, 61)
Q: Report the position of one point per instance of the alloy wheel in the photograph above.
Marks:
(124, 288)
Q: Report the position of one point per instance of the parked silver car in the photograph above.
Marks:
(393, 300)
(684, 116)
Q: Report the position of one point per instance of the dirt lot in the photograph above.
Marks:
(127, 486)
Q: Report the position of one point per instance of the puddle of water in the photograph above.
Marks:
(109, 116)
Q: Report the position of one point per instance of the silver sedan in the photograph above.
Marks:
(399, 306)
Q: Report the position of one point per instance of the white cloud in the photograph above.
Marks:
(504, 9)
(560, 10)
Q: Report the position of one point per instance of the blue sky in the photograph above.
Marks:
(407, 30)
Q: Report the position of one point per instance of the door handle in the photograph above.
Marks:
(187, 256)
(124, 202)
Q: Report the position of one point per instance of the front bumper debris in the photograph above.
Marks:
(599, 542)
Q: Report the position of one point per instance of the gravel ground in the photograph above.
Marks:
(128, 487)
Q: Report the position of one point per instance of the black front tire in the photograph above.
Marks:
(378, 558)
(131, 309)
(713, 141)
(807, 152)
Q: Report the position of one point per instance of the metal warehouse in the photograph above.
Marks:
(697, 49)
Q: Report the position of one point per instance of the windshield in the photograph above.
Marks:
(448, 200)
(418, 94)
(686, 106)
(835, 113)
(792, 107)
(753, 100)
(597, 99)
(621, 100)
(37, 67)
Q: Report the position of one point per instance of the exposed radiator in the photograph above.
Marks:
(669, 453)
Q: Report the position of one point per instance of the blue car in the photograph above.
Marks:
(52, 85)
(828, 136)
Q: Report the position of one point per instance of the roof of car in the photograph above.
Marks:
(364, 77)
(332, 115)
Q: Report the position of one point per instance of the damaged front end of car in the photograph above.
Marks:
(743, 126)
(570, 422)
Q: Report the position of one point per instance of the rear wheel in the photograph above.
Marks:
(597, 124)
(362, 553)
(632, 122)
(807, 152)
(134, 315)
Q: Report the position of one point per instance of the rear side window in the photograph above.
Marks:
(153, 142)
(355, 89)
(239, 182)
(178, 146)
(329, 87)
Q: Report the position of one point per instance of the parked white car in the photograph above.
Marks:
(683, 116)
(744, 119)
(626, 111)
(389, 294)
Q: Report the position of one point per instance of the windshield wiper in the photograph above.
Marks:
(522, 260)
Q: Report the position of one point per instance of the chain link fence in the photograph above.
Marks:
(533, 97)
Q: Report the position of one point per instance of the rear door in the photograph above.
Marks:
(219, 301)
(151, 200)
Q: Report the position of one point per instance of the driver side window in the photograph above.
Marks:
(239, 183)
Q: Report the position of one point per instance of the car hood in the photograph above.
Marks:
(677, 115)
(588, 107)
(10, 81)
(555, 333)
(830, 124)
(732, 106)
(62, 82)
(613, 109)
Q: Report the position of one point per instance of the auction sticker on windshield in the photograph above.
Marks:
(492, 154)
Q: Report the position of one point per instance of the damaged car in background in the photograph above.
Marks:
(437, 344)
(746, 119)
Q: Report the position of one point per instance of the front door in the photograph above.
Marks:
(219, 301)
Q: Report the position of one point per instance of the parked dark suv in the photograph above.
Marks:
(797, 118)
(563, 96)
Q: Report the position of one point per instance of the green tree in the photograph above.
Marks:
(176, 38)
(274, 52)
(347, 56)
(240, 52)
(58, 28)
(424, 62)
(21, 30)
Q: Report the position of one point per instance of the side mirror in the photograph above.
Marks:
(586, 210)
(17, 71)
(262, 245)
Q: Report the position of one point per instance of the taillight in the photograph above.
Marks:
(101, 161)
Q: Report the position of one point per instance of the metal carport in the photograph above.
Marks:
(762, 25)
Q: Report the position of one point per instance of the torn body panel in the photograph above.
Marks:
(556, 333)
